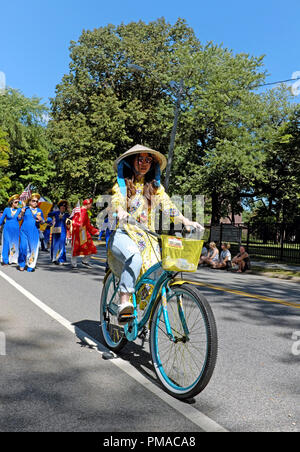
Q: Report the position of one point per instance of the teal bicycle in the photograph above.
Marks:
(183, 333)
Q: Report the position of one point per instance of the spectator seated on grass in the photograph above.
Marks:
(212, 256)
(224, 262)
(204, 251)
(242, 259)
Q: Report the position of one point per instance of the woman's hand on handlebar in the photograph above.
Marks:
(191, 224)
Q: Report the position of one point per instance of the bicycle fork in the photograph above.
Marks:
(170, 333)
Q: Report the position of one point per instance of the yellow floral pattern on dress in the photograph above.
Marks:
(138, 209)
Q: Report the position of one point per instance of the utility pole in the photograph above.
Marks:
(173, 134)
(137, 68)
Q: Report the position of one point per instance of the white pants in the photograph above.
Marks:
(85, 260)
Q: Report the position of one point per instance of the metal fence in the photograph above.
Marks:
(275, 241)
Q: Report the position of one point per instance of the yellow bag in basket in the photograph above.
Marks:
(180, 255)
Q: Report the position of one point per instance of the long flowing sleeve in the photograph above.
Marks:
(41, 215)
(90, 228)
(167, 206)
(4, 215)
(117, 200)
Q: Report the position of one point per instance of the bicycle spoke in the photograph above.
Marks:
(113, 333)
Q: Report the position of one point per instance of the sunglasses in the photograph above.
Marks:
(16, 202)
(34, 200)
(147, 160)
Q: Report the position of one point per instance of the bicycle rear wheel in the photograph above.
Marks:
(113, 333)
(185, 363)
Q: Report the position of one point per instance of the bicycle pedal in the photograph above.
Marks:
(125, 318)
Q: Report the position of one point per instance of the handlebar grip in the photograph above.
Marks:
(188, 233)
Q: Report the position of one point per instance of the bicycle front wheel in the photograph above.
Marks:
(184, 363)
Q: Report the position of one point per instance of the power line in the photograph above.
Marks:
(227, 91)
(137, 68)
(276, 83)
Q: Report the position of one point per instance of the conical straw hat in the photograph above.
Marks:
(139, 149)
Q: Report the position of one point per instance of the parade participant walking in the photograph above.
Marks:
(82, 230)
(45, 242)
(138, 193)
(11, 231)
(29, 234)
(59, 233)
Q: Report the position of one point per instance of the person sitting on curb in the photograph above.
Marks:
(225, 258)
(212, 257)
(204, 251)
(242, 259)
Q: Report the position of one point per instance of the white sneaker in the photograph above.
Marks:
(124, 310)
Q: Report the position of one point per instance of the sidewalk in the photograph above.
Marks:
(268, 265)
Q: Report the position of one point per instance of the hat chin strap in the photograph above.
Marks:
(120, 177)
(157, 175)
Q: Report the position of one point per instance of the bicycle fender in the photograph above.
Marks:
(180, 282)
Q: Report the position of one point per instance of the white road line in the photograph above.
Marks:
(191, 413)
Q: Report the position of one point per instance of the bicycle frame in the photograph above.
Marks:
(161, 285)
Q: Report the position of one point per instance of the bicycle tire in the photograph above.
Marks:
(166, 376)
(105, 319)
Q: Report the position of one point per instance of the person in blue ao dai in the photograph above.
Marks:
(59, 233)
(11, 231)
(29, 234)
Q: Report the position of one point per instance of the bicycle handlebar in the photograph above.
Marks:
(134, 222)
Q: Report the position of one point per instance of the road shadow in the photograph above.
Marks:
(48, 387)
(136, 354)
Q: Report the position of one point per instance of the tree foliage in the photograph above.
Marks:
(23, 121)
(102, 106)
(280, 192)
(229, 138)
(5, 182)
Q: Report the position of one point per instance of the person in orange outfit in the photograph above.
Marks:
(82, 230)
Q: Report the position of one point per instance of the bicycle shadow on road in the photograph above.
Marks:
(133, 352)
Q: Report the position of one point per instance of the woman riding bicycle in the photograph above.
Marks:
(138, 193)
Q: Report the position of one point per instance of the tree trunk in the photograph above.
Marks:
(215, 214)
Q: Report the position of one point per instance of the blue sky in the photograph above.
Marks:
(35, 34)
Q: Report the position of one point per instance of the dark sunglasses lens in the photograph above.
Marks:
(146, 160)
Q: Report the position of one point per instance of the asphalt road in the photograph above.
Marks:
(51, 380)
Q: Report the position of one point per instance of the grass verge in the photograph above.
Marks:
(276, 272)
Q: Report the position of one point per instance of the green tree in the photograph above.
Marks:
(23, 121)
(220, 152)
(5, 182)
(226, 134)
(102, 106)
(283, 168)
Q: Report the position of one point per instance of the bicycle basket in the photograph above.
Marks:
(180, 255)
